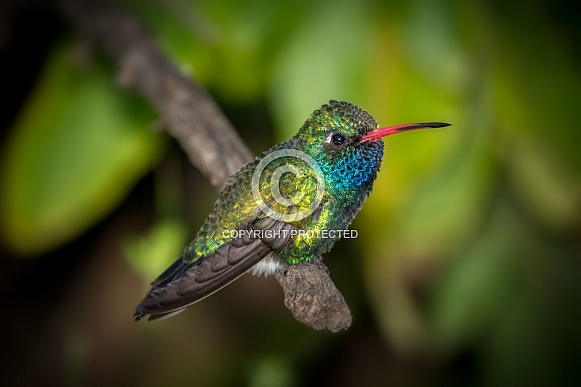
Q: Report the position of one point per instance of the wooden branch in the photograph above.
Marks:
(209, 140)
(313, 298)
(191, 116)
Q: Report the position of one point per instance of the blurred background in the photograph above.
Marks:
(467, 266)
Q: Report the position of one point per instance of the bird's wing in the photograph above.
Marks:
(185, 283)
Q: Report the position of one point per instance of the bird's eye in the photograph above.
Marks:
(338, 139)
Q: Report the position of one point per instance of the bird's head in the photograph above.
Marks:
(344, 139)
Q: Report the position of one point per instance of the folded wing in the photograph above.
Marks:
(185, 283)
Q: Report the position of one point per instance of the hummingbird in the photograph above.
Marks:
(289, 205)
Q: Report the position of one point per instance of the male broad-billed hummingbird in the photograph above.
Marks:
(288, 205)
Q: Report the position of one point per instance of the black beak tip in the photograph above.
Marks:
(437, 124)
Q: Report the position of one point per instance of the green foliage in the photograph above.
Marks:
(77, 148)
(152, 254)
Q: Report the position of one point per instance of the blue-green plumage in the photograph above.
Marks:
(279, 208)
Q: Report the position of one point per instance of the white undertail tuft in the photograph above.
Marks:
(269, 265)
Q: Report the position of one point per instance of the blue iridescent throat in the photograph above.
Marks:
(354, 170)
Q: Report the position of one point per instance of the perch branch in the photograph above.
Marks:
(313, 298)
(209, 140)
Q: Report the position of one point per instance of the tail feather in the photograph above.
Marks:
(171, 273)
(185, 283)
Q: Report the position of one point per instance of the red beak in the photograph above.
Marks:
(382, 132)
